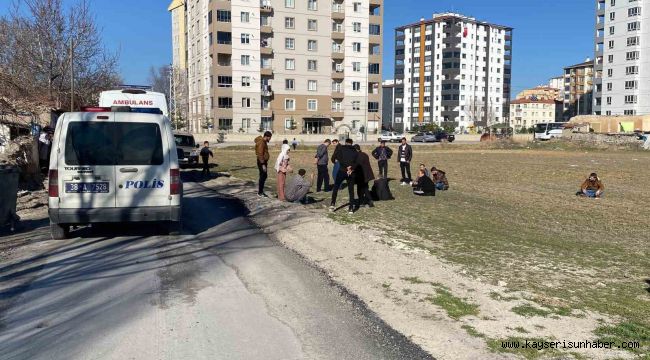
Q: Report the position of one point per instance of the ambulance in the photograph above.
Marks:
(135, 98)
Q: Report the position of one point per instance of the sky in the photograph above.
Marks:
(546, 38)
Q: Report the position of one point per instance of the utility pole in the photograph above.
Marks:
(71, 74)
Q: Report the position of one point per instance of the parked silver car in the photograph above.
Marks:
(424, 137)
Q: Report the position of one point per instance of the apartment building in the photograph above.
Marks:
(528, 112)
(293, 67)
(388, 88)
(453, 69)
(578, 89)
(622, 60)
(179, 89)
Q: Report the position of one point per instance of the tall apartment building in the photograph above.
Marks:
(199, 61)
(622, 61)
(388, 109)
(578, 89)
(453, 69)
(309, 66)
(179, 99)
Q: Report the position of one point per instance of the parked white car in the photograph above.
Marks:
(390, 136)
(113, 167)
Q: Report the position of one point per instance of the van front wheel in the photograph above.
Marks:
(59, 231)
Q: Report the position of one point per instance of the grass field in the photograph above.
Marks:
(511, 215)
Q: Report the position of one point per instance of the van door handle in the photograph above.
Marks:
(128, 170)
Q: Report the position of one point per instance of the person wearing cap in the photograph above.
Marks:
(592, 187)
(382, 154)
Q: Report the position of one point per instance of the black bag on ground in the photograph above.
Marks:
(381, 190)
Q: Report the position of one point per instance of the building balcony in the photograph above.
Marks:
(223, 48)
(265, 47)
(266, 29)
(338, 73)
(266, 90)
(337, 113)
(376, 2)
(338, 35)
(338, 12)
(267, 71)
(265, 7)
(338, 93)
(338, 54)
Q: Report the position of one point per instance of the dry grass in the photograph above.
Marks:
(511, 215)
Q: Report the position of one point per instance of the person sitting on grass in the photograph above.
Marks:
(423, 185)
(592, 187)
(426, 171)
(298, 187)
(439, 178)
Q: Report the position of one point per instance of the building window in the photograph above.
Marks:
(225, 124)
(630, 85)
(356, 86)
(631, 70)
(628, 112)
(290, 104)
(224, 102)
(611, 44)
(246, 123)
(312, 5)
(289, 4)
(356, 6)
(356, 47)
(375, 29)
(356, 105)
(312, 45)
(609, 86)
(633, 26)
(290, 43)
(246, 81)
(312, 65)
(633, 41)
(290, 64)
(223, 15)
(373, 107)
(356, 27)
(611, 30)
(245, 17)
(630, 99)
(610, 58)
(288, 123)
(224, 81)
(246, 60)
(289, 84)
(612, 16)
(245, 38)
(610, 72)
(312, 105)
(246, 102)
(312, 25)
(373, 68)
(289, 23)
(632, 55)
(635, 11)
(356, 66)
(312, 85)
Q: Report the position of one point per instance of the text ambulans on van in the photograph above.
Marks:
(134, 98)
(113, 166)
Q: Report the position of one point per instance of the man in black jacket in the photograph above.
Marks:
(347, 156)
(382, 154)
(206, 153)
(404, 156)
(363, 176)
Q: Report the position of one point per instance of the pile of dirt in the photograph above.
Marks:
(22, 152)
(30, 200)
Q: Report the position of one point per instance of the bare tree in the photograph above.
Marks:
(35, 52)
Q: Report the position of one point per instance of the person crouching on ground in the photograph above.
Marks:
(423, 185)
(298, 187)
(364, 175)
(439, 178)
(282, 167)
(592, 187)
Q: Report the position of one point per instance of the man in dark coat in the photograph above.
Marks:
(382, 154)
(404, 156)
(364, 175)
(347, 157)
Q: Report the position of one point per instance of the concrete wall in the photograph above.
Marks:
(611, 124)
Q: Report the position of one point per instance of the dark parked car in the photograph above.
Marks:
(442, 136)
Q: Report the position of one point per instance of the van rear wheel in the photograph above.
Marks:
(174, 227)
(59, 231)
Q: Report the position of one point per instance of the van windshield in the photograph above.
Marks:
(184, 140)
(119, 143)
(540, 128)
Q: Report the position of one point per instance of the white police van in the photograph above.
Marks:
(113, 166)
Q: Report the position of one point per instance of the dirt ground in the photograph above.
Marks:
(509, 253)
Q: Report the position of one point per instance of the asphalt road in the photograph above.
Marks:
(222, 291)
